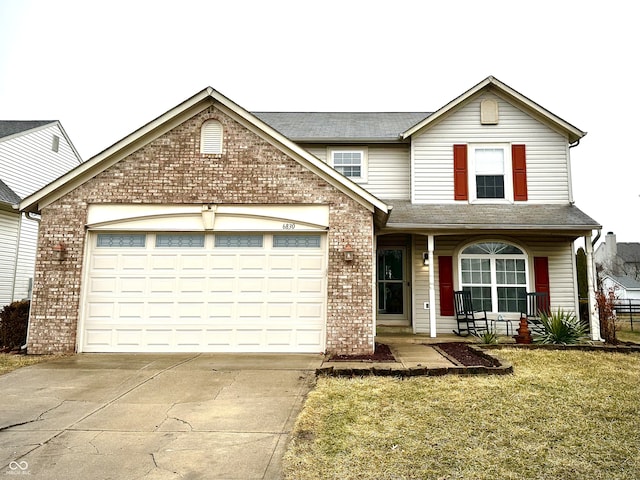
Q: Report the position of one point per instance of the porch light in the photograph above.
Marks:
(425, 259)
(60, 251)
(348, 253)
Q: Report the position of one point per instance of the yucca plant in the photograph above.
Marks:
(487, 337)
(560, 327)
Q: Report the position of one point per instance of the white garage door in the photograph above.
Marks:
(204, 292)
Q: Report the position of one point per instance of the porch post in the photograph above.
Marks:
(432, 288)
(594, 314)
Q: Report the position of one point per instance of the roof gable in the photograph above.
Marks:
(174, 117)
(491, 83)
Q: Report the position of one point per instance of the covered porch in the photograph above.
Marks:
(498, 253)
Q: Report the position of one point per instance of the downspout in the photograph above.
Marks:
(37, 219)
(571, 145)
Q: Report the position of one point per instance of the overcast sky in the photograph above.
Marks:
(106, 68)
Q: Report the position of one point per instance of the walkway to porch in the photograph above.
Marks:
(414, 355)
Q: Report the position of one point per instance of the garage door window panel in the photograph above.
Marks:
(121, 240)
(179, 240)
(239, 241)
(296, 241)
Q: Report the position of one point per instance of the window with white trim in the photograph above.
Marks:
(490, 177)
(211, 137)
(350, 162)
(496, 275)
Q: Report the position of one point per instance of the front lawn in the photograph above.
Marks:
(9, 362)
(562, 414)
(628, 335)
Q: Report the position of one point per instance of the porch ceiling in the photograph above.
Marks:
(515, 218)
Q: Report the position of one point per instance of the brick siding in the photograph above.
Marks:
(171, 169)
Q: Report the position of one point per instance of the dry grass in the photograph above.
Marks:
(10, 362)
(563, 414)
(629, 336)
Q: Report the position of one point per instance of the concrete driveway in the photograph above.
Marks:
(152, 416)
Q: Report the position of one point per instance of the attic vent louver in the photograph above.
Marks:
(489, 112)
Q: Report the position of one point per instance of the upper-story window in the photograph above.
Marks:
(211, 137)
(490, 172)
(350, 162)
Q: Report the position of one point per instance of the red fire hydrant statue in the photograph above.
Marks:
(524, 335)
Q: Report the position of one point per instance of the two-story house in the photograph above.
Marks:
(32, 154)
(212, 228)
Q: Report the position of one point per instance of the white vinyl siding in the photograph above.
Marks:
(547, 153)
(389, 170)
(26, 258)
(420, 285)
(31, 152)
(9, 231)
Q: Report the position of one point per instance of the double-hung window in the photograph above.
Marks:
(496, 275)
(490, 173)
(351, 163)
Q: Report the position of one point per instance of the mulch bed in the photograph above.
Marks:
(382, 353)
(467, 356)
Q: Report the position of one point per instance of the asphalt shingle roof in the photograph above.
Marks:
(11, 127)
(627, 281)
(345, 126)
(488, 217)
(7, 195)
(629, 251)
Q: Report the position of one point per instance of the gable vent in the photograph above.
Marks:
(489, 112)
(211, 137)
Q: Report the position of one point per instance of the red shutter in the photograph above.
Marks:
(445, 269)
(460, 178)
(541, 274)
(519, 164)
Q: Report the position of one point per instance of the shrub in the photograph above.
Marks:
(488, 337)
(560, 327)
(607, 311)
(14, 319)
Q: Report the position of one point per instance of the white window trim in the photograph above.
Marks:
(364, 168)
(508, 173)
(492, 258)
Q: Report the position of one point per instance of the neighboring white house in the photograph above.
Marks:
(32, 155)
(625, 287)
(618, 265)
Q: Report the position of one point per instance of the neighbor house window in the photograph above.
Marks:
(490, 172)
(496, 275)
(211, 137)
(350, 162)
